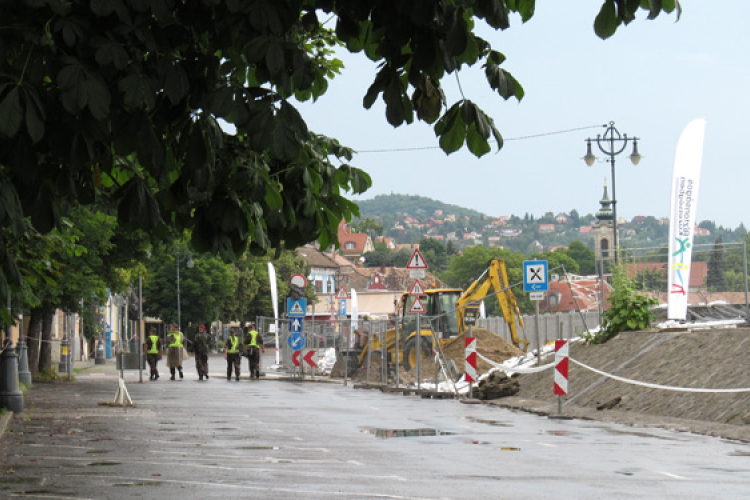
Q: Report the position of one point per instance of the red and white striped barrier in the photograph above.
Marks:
(561, 367)
(471, 359)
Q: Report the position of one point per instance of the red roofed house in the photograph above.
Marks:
(576, 293)
(390, 243)
(353, 245)
(698, 271)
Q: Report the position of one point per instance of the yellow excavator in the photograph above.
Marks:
(449, 311)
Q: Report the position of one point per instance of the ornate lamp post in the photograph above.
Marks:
(612, 143)
(178, 259)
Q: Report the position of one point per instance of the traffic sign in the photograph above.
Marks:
(416, 261)
(535, 276)
(536, 296)
(295, 325)
(417, 273)
(295, 341)
(417, 289)
(295, 358)
(298, 280)
(296, 308)
(308, 357)
(417, 307)
(342, 293)
(471, 314)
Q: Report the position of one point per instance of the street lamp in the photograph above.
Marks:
(178, 259)
(612, 143)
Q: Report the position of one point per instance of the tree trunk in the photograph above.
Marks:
(33, 339)
(45, 351)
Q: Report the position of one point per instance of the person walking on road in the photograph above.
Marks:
(152, 347)
(174, 353)
(253, 346)
(232, 354)
(202, 344)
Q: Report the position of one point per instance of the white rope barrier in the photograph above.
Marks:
(515, 369)
(537, 369)
(656, 386)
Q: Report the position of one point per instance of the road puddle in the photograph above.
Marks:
(396, 433)
(496, 423)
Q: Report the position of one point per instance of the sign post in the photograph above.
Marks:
(471, 362)
(534, 282)
(561, 371)
(296, 311)
(417, 268)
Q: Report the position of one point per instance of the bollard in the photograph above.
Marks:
(24, 375)
(100, 359)
(64, 355)
(11, 397)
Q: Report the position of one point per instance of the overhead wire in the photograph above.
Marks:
(519, 138)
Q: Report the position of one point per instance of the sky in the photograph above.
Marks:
(651, 79)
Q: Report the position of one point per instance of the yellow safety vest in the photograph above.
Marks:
(177, 339)
(154, 349)
(234, 347)
(253, 339)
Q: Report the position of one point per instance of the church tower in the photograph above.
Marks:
(603, 230)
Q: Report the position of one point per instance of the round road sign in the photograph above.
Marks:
(298, 280)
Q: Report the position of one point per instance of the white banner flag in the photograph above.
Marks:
(687, 169)
(275, 301)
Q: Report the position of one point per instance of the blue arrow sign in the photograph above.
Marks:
(295, 341)
(296, 324)
(535, 276)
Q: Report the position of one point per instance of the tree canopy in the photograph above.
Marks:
(119, 102)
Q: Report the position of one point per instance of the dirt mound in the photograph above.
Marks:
(489, 345)
(715, 358)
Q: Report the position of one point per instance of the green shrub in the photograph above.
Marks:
(629, 310)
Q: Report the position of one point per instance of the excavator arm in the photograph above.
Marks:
(495, 277)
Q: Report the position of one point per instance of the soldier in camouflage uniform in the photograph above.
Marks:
(152, 347)
(202, 345)
(232, 354)
(253, 346)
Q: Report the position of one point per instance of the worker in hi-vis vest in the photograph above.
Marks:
(253, 348)
(232, 354)
(175, 350)
(152, 348)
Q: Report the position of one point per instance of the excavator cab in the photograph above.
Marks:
(439, 304)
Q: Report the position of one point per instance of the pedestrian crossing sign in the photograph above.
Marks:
(296, 308)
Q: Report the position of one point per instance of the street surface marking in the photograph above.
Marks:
(669, 474)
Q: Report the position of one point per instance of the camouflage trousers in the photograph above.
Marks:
(253, 360)
(153, 362)
(201, 365)
(233, 360)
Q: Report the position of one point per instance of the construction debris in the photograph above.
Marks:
(497, 385)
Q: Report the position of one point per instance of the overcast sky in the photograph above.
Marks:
(651, 79)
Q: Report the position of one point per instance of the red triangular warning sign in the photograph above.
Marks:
(417, 289)
(342, 293)
(417, 307)
(416, 261)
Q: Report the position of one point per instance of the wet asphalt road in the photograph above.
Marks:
(281, 439)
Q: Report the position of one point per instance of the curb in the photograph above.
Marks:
(4, 421)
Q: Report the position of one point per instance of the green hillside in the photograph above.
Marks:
(387, 205)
